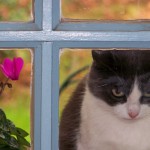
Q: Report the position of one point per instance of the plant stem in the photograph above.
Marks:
(69, 78)
(3, 85)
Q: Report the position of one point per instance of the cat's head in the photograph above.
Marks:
(121, 78)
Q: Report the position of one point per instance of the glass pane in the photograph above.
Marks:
(110, 96)
(15, 92)
(16, 10)
(74, 64)
(106, 9)
(71, 62)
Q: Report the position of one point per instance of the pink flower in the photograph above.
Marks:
(12, 68)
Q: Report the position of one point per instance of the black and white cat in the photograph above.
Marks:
(110, 108)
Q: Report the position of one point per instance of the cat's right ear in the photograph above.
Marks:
(96, 54)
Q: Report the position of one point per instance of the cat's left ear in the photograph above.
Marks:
(102, 56)
(96, 54)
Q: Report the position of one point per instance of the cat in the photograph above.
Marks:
(110, 108)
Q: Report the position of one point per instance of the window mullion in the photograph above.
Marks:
(37, 98)
(46, 96)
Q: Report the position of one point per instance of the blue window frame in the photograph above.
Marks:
(94, 25)
(34, 25)
(46, 35)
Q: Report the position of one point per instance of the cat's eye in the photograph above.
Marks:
(117, 93)
(146, 94)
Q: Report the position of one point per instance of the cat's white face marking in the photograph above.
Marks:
(100, 127)
(132, 109)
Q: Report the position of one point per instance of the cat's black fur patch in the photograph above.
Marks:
(70, 119)
(119, 69)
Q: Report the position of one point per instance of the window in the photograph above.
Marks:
(106, 34)
(46, 35)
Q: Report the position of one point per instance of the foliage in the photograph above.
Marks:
(15, 10)
(20, 10)
(11, 137)
(69, 80)
(106, 9)
(17, 104)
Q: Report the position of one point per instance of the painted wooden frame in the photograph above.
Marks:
(34, 25)
(95, 25)
(134, 45)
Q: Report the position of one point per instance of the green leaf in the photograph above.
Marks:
(2, 136)
(3, 120)
(23, 141)
(11, 141)
(22, 132)
(2, 141)
(12, 127)
(2, 146)
(8, 148)
(2, 115)
(11, 137)
(10, 123)
(22, 148)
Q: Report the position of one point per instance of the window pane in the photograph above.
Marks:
(71, 61)
(74, 65)
(113, 90)
(106, 9)
(16, 94)
(15, 10)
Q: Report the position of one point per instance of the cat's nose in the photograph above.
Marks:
(133, 114)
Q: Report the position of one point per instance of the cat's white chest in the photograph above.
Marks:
(102, 130)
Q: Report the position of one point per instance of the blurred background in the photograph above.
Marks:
(21, 10)
(106, 9)
(16, 10)
(74, 65)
